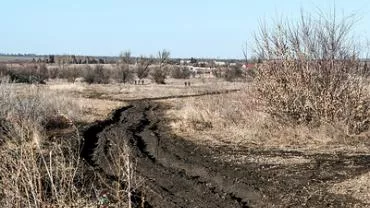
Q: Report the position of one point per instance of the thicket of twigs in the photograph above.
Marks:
(313, 74)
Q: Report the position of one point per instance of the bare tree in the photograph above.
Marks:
(163, 57)
(123, 71)
(159, 74)
(125, 57)
(142, 69)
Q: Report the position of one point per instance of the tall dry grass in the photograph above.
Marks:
(42, 171)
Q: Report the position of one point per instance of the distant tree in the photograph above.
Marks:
(125, 57)
(193, 60)
(159, 74)
(123, 72)
(181, 72)
(142, 69)
(163, 57)
(51, 59)
(97, 75)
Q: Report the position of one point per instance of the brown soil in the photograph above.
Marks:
(180, 173)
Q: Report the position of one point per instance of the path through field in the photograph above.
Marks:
(180, 173)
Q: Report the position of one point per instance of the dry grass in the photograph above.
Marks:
(40, 169)
(358, 188)
(239, 119)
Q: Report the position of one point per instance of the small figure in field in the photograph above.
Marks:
(186, 84)
(189, 84)
(135, 82)
(142, 82)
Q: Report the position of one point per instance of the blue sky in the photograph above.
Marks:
(191, 28)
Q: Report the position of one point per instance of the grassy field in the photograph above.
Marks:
(14, 58)
(43, 116)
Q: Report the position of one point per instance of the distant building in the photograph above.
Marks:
(220, 63)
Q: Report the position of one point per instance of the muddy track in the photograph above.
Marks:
(171, 179)
(179, 173)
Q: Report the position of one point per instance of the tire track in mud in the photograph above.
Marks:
(172, 178)
(179, 173)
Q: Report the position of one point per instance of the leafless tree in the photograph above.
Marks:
(142, 69)
(123, 71)
(163, 57)
(160, 73)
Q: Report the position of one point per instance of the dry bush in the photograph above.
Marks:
(37, 174)
(32, 108)
(118, 163)
(97, 74)
(142, 68)
(37, 171)
(54, 73)
(159, 75)
(218, 72)
(3, 70)
(71, 73)
(312, 73)
(234, 73)
(180, 72)
(29, 74)
(123, 73)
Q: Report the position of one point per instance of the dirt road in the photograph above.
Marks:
(179, 173)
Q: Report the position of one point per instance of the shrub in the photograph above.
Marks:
(312, 74)
(218, 72)
(54, 73)
(3, 70)
(159, 75)
(37, 171)
(142, 70)
(29, 74)
(180, 72)
(71, 73)
(97, 75)
(123, 74)
(234, 73)
(42, 72)
(46, 173)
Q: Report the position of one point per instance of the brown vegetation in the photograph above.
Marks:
(41, 168)
(313, 75)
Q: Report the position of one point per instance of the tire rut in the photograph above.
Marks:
(172, 180)
(180, 173)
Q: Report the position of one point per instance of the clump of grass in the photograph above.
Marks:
(38, 170)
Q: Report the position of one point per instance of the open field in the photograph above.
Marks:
(187, 146)
(14, 59)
